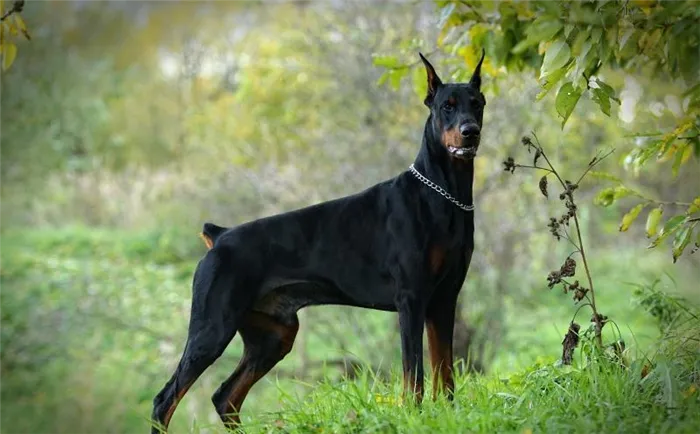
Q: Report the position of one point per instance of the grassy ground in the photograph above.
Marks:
(93, 322)
(600, 397)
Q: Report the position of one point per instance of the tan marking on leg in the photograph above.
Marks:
(440, 357)
(247, 378)
(176, 401)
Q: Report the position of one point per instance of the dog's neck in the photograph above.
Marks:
(453, 174)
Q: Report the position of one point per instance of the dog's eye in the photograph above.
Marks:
(448, 107)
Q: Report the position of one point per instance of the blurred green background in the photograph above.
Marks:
(126, 125)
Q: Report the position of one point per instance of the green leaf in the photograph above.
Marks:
(383, 78)
(549, 81)
(21, 25)
(609, 90)
(557, 55)
(630, 217)
(603, 101)
(584, 59)
(445, 14)
(542, 29)
(420, 84)
(568, 28)
(566, 100)
(395, 77)
(608, 196)
(653, 220)
(678, 158)
(605, 176)
(386, 61)
(577, 45)
(9, 53)
(681, 241)
(550, 9)
(695, 206)
(672, 224)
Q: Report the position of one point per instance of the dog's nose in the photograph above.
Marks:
(469, 130)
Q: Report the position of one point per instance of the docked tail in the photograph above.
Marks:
(210, 233)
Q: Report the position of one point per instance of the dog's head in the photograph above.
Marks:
(457, 111)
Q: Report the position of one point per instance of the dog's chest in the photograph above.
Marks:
(450, 245)
(443, 257)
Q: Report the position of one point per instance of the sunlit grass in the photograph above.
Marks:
(93, 322)
(601, 396)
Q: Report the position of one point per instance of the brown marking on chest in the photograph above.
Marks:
(436, 258)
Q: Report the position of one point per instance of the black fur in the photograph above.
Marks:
(397, 246)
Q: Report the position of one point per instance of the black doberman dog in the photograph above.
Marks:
(403, 245)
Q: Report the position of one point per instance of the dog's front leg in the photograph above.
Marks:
(411, 322)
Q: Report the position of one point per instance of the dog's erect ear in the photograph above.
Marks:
(433, 81)
(475, 81)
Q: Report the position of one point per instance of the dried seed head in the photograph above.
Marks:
(553, 278)
(569, 268)
(570, 343)
(509, 165)
(554, 228)
(543, 185)
(580, 293)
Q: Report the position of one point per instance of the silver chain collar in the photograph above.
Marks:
(439, 189)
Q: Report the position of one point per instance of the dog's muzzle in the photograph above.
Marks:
(463, 151)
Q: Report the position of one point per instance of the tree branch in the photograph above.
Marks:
(17, 6)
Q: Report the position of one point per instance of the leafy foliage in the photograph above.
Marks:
(561, 228)
(573, 46)
(91, 317)
(11, 25)
(600, 396)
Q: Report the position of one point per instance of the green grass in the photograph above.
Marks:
(93, 322)
(601, 397)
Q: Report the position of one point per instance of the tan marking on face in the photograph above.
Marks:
(452, 137)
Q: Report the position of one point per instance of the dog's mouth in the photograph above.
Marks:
(463, 152)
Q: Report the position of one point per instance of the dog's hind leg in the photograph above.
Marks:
(267, 340)
(213, 323)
